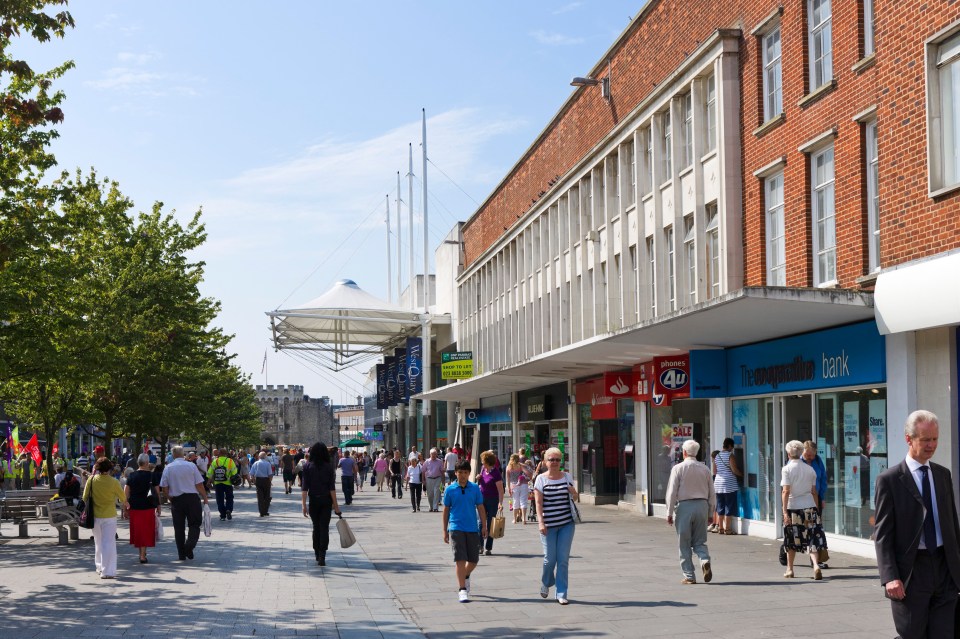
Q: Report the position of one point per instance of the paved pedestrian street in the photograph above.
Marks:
(256, 577)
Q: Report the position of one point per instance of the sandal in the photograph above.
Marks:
(788, 574)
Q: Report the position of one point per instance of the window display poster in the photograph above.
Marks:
(851, 427)
(851, 481)
(877, 416)
(822, 449)
(877, 466)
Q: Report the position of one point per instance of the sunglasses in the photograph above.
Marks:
(553, 459)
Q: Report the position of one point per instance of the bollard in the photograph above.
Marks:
(23, 530)
(62, 536)
(75, 532)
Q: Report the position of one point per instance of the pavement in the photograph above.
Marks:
(256, 577)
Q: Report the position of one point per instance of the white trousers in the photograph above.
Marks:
(105, 543)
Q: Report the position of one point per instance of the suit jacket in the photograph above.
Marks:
(899, 522)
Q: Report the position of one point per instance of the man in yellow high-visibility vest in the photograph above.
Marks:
(8, 474)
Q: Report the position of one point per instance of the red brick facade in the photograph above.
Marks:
(912, 224)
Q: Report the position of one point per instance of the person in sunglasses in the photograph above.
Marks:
(553, 493)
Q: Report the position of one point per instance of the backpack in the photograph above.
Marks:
(219, 473)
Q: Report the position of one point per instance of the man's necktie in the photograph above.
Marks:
(929, 526)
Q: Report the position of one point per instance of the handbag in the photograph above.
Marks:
(783, 555)
(157, 527)
(373, 479)
(575, 512)
(498, 526)
(347, 537)
(86, 517)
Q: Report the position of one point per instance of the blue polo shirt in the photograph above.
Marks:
(463, 502)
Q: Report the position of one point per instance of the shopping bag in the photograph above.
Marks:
(207, 523)
(346, 535)
(498, 526)
(373, 479)
(158, 527)
(86, 517)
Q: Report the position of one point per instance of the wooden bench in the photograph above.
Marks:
(22, 506)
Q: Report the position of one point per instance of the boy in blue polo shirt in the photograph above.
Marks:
(465, 523)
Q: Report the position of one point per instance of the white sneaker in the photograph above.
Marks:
(464, 596)
(544, 591)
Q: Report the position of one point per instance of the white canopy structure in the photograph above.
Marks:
(343, 327)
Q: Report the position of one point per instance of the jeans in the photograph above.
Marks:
(105, 545)
(224, 499)
(416, 492)
(491, 505)
(347, 482)
(396, 488)
(320, 509)
(556, 557)
(691, 524)
(185, 510)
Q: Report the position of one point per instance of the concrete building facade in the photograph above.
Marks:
(291, 417)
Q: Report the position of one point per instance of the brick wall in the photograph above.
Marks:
(912, 224)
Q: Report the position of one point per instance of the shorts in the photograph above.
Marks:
(288, 475)
(727, 503)
(452, 475)
(465, 545)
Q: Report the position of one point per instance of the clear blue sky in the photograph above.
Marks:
(288, 121)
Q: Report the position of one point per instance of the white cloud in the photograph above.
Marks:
(147, 83)
(571, 6)
(141, 59)
(554, 39)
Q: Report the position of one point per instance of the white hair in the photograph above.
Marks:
(691, 448)
(794, 448)
(918, 417)
(177, 451)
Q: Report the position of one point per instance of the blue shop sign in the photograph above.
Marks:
(845, 356)
(488, 415)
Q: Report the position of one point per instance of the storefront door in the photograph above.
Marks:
(605, 462)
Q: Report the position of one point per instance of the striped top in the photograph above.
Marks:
(725, 481)
(556, 499)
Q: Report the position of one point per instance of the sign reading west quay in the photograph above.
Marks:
(456, 365)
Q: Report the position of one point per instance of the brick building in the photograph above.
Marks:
(742, 224)
(290, 417)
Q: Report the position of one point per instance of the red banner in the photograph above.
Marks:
(56, 449)
(33, 447)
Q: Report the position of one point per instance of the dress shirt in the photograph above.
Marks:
(261, 468)
(914, 467)
(690, 479)
(180, 477)
(433, 468)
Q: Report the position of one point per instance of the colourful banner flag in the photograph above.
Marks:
(33, 447)
(9, 443)
(56, 449)
(15, 440)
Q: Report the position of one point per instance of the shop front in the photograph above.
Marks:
(543, 421)
(828, 387)
(492, 426)
(608, 448)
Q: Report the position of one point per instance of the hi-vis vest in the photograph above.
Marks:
(7, 470)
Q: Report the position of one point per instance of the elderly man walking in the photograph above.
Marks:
(262, 473)
(183, 485)
(691, 494)
(433, 471)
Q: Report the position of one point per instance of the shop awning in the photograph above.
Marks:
(745, 316)
(919, 295)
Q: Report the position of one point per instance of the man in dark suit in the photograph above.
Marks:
(918, 536)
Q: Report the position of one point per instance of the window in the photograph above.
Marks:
(776, 242)
(712, 234)
(652, 276)
(873, 197)
(647, 137)
(666, 146)
(690, 255)
(821, 53)
(867, 28)
(671, 269)
(630, 167)
(824, 228)
(943, 113)
(772, 76)
(686, 107)
(711, 112)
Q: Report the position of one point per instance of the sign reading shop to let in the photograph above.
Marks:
(456, 365)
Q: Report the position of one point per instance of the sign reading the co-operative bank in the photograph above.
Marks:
(456, 365)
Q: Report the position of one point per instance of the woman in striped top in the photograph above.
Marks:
(553, 491)
(726, 486)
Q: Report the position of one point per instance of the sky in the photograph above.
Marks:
(287, 122)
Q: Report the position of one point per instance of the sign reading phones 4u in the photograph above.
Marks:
(457, 365)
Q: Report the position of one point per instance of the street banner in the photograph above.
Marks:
(391, 364)
(414, 366)
(15, 440)
(33, 447)
(381, 386)
(403, 395)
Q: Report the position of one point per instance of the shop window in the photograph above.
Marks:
(852, 442)
(668, 427)
(753, 426)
